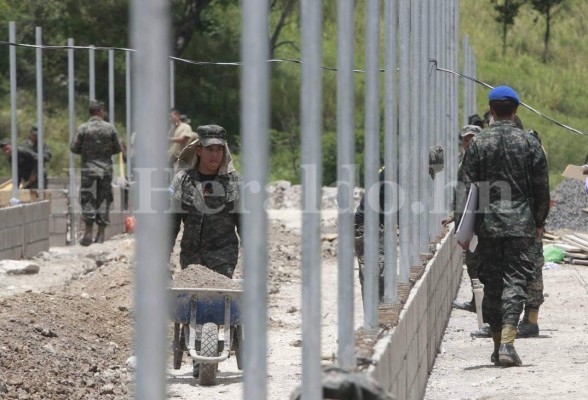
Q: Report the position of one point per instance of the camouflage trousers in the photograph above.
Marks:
(211, 260)
(506, 266)
(359, 253)
(472, 260)
(535, 287)
(96, 198)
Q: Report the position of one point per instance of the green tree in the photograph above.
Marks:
(507, 11)
(548, 9)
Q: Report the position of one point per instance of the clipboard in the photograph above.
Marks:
(465, 230)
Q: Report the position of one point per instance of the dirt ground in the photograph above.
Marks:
(66, 332)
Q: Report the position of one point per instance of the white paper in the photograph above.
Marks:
(465, 230)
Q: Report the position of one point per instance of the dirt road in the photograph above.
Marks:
(555, 364)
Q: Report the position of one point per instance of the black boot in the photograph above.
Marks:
(526, 328)
(100, 235)
(466, 305)
(86, 240)
(496, 336)
(507, 356)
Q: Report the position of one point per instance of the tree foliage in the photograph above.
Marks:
(547, 8)
(506, 13)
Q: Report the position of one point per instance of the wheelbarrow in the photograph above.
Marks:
(208, 309)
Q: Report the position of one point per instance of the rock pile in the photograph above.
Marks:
(568, 199)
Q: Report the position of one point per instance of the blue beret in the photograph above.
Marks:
(503, 93)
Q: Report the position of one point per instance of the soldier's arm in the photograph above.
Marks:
(539, 184)
(466, 176)
(76, 144)
(116, 147)
(47, 154)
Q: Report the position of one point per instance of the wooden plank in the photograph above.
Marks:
(581, 256)
(568, 247)
(581, 235)
(570, 239)
(550, 236)
(579, 262)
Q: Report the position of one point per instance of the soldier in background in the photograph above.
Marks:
(180, 135)
(96, 141)
(32, 144)
(505, 157)
(27, 164)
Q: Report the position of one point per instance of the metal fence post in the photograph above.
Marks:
(40, 132)
(72, 166)
(150, 66)
(345, 184)
(13, 108)
(254, 139)
(92, 72)
(372, 163)
(111, 86)
(390, 156)
(311, 131)
(129, 114)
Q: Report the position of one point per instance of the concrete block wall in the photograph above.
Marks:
(404, 357)
(25, 230)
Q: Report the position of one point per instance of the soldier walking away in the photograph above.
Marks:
(96, 141)
(510, 169)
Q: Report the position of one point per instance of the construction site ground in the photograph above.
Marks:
(67, 332)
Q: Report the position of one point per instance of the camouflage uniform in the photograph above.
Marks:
(27, 165)
(96, 141)
(359, 238)
(505, 157)
(209, 207)
(32, 147)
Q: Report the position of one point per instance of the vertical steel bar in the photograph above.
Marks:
(13, 107)
(172, 84)
(346, 183)
(415, 142)
(92, 72)
(129, 113)
(72, 129)
(150, 69)
(254, 139)
(474, 84)
(454, 87)
(405, 227)
(424, 131)
(466, 86)
(390, 156)
(111, 86)
(40, 131)
(432, 108)
(311, 130)
(372, 164)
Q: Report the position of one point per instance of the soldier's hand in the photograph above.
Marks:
(447, 221)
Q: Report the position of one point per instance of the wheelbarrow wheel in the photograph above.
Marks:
(178, 350)
(208, 348)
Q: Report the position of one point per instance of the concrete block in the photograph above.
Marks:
(422, 376)
(398, 346)
(422, 338)
(402, 383)
(413, 390)
(412, 361)
(57, 240)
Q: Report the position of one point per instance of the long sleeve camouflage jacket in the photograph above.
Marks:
(510, 169)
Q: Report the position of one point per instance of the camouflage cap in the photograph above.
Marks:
(469, 130)
(211, 134)
(4, 142)
(96, 105)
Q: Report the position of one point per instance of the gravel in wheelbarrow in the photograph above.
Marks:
(199, 276)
